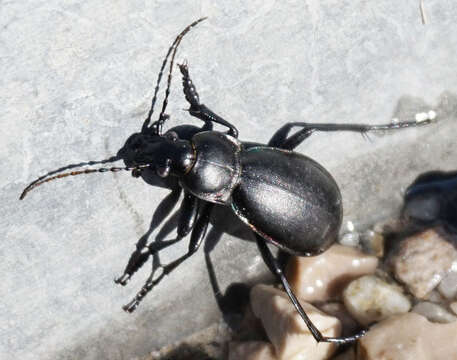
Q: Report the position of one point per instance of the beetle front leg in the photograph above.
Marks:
(200, 110)
(274, 267)
(198, 234)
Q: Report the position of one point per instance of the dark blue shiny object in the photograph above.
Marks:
(432, 200)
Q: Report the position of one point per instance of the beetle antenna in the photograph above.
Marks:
(157, 125)
(37, 182)
(72, 166)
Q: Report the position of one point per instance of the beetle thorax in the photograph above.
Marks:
(217, 167)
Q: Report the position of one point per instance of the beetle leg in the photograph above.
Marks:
(198, 234)
(281, 140)
(200, 110)
(187, 215)
(274, 267)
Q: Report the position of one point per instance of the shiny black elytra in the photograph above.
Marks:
(287, 199)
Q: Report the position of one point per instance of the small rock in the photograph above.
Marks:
(435, 297)
(434, 312)
(323, 277)
(350, 239)
(285, 328)
(251, 350)
(371, 299)
(373, 243)
(453, 307)
(409, 337)
(422, 261)
(448, 286)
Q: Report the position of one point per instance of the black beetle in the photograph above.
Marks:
(287, 199)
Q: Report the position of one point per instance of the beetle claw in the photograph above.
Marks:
(122, 280)
(131, 306)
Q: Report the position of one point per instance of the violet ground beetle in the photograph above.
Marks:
(286, 198)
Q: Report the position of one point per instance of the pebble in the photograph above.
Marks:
(422, 261)
(251, 350)
(448, 286)
(372, 243)
(434, 312)
(351, 239)
(453, 307)
(369, 299)
(323, 277)
(285, 328)
(409, 336)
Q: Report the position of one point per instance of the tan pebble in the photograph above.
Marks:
(251, 350)
(409, 336)
(422, 261)
(285, 328)
(323, 277)
(369, 299)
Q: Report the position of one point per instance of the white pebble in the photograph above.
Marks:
(431, 115)
(350, 239)
(350, 226)
(421, 117)
(370, 299)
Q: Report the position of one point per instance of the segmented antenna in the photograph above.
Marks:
(157, 125)
(72, 166)
(37, 182)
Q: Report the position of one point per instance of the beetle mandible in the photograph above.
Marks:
(286, 198)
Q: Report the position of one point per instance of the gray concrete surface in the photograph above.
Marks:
(76, 80)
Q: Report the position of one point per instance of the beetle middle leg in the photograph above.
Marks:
(200, 110)
(282, 139)
(274, 267)
(197, 236)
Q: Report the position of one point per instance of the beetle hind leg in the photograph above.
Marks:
(274, 267)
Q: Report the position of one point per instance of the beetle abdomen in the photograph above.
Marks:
(289, 199)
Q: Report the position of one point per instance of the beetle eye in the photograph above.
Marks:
(171, 135)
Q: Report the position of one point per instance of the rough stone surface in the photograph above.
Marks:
(409, 337)
(323, 277)
(422, 261)
(76, 81)
(371, 299)
(285, 328)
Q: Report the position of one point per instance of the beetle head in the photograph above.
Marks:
(166, 153)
